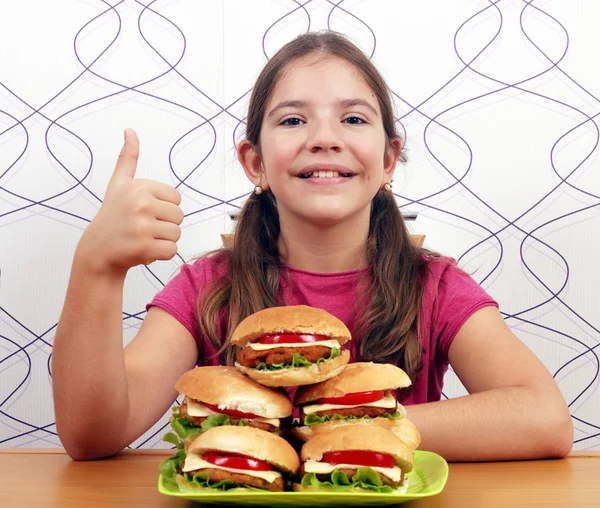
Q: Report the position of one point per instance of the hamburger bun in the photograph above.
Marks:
(249, 441)
(407, 432)
(354, 437)
(227, 385)
(298, 376)
(356, 377)
(300, 319)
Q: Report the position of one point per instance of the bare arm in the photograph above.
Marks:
(514, 410)
(105, 398)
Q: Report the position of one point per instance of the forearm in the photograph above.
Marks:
(513, 423)
(88, 366)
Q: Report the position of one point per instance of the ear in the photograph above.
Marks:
(390, 159)
(249, 157)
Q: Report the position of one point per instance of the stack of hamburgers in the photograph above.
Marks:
(228, 427)
(220, 398)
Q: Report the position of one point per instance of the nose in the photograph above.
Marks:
(324, 135)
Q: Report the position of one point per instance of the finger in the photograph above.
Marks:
(163, 250)
(128, 158)
(166, 231)
(168, 212)
(164, 192)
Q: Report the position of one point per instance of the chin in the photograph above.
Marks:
(332, 215)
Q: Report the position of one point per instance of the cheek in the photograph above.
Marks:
(280, 152)
(370, 148)
(372, 157)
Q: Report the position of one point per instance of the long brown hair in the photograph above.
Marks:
(389, 328)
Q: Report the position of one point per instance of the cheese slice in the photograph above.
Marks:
(312, 466)
(195, 408)
(198, 409)
(388, 402)
(194, 462)
(332, 343)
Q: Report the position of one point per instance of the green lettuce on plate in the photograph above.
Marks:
(365, 478)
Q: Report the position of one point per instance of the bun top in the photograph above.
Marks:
(249, 441)
(371, 438)
(228, 386)
(356, 377)
(290, 319)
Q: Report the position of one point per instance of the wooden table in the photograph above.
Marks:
(48, 478)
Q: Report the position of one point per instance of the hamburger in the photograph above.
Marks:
(349, 459)
(291, 346)
(228, 457)
(407, 432)
(217, 396)
(361, 394)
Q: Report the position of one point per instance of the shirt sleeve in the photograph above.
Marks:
(458, 297)
(179, 296)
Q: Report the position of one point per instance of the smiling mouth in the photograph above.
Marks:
(325, 174)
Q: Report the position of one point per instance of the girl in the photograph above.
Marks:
(322, 228)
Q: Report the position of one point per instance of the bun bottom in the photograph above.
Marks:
(298, 376)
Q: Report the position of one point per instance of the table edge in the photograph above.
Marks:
(163, 451)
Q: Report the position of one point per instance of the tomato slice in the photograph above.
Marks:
(353, 399)
(236, 461)
(291, 338)
(359, 458)
(230, 412)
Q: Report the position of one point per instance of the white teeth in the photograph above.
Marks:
(325, 174)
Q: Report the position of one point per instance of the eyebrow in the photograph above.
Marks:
(344, 103)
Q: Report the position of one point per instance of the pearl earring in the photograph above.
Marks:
(387, 187)
(258, 190)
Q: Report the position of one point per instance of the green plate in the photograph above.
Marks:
(427, 478)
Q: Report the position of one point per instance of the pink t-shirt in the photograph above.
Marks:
(450, 296)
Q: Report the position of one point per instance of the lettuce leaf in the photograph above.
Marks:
(218, 420)
(297, 361)
(365, 478)
(170, 467)
(184, 428)
(335, 352)
(201, 479)
(171, 437)
(313, 418)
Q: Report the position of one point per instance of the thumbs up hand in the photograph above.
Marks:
(138, 222)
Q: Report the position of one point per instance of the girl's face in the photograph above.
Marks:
(323, 146)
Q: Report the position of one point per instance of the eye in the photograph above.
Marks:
(292, 122)
(354, 120)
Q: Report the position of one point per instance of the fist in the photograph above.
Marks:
(138, 222)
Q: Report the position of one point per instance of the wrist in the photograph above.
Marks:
(91, 262)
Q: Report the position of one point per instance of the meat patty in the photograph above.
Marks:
(358, 411)
(351, 472)
(218, 475)
(249, 357)
(197, 420)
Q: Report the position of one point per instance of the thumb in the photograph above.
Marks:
(128, 158)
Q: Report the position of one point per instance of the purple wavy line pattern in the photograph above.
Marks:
(494, 97)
